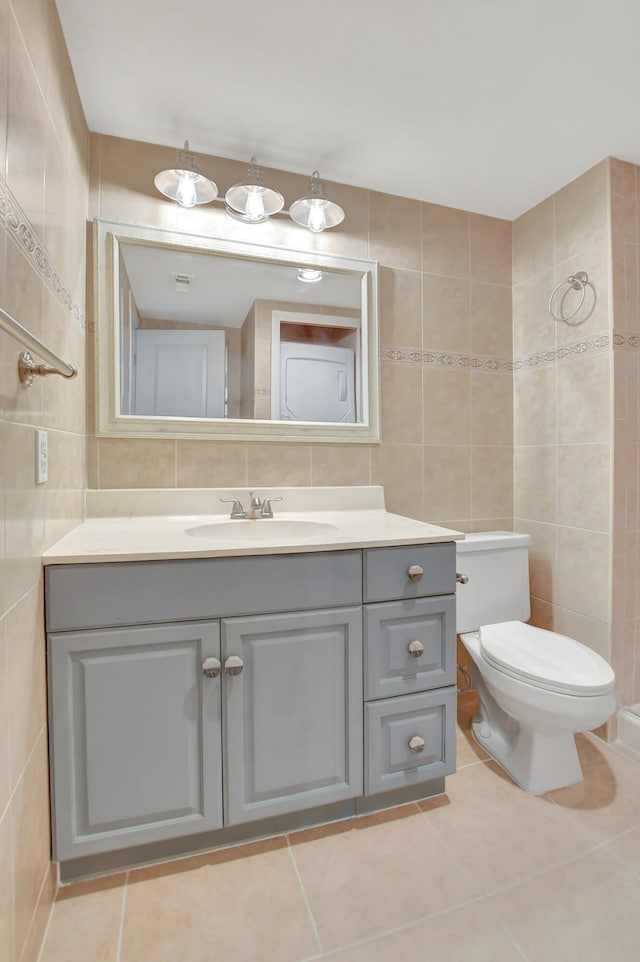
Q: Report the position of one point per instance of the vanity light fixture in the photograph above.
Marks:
(309, 275)
(251, 199)
(315, 211)
(184, 183)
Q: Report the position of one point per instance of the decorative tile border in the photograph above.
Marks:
(494, 365)
(626, 341)
(565, 352)
(410, 355)
(18, 227)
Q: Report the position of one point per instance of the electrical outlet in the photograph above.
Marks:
(42, 457)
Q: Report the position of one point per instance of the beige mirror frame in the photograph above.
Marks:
(108, 236)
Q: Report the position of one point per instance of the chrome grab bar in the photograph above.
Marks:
(27, 368)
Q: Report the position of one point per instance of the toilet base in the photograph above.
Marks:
(538, 762)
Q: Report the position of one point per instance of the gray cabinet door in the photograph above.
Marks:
(292, 737)
(135, 736)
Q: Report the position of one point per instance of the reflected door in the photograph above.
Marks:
(180, 374)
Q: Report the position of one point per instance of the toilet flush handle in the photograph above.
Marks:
(461, 579)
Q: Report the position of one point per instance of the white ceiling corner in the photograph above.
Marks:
(485, 105)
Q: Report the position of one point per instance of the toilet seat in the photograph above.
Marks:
(545, 659)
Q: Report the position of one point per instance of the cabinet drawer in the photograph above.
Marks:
(386, 571)
(391, 627)
(139, 592)
(392, 723)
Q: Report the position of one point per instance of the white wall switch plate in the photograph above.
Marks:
(42, 457)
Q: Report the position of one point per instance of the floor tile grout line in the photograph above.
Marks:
(47, 927)
(500, 890)
(634, 761)
(495, 915)
(365, 940)
(122, 917)
(303, 890)
(598, 844)
(453, 855)
(575, 821)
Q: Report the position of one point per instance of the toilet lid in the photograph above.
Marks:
(546, 659)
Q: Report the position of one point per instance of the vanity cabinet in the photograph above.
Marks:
(162, 730)
(191, 696)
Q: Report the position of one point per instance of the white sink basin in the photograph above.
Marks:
(262, 530)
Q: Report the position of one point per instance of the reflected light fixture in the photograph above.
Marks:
(251, 200)
(315, 211)
(309, 275)
(184, 183)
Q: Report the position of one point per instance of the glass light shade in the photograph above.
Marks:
(184, 183)
(245, 218)
(315, 211)
(251, 199)
(309, 276)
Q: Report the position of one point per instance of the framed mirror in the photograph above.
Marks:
(215, 338)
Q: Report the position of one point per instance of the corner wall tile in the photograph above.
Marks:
(394, 231)
(490, 249)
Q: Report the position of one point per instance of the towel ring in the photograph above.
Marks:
(579, 283)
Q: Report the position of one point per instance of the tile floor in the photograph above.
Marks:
(484, 873)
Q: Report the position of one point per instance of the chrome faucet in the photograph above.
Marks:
(267, 511)
(257, 508)
(237, 510)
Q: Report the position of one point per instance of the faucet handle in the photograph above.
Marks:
(267, 510)
(237, 510)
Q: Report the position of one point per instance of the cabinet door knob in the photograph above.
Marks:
(461, 579)
(233, 665)
(415, 572)
(211, 667)
(416, 648)
(416, 744)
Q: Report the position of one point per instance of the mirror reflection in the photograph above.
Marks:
(207, 331)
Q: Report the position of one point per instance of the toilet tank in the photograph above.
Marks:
(497, 566)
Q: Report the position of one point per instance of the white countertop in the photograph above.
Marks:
(123, 529)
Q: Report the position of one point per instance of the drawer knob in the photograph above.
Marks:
(416, 744)
(211, 667)
(416, 648)
(415, 572)
(233, 665)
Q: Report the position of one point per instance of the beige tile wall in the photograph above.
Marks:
(563, 423)
(43, 203)
(625, 184)
(446, 452)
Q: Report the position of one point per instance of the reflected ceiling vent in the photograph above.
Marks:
(182, 281)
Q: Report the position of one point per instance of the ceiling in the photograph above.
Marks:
(486, 105)
(222, 290)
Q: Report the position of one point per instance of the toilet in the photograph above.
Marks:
(537, 688)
